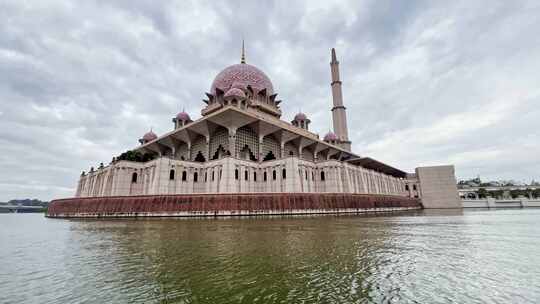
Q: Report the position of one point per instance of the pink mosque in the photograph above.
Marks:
(241, 158)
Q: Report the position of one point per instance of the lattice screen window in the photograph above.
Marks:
(246, 136)
(307, 154)
(182, 152)
(219, 138)
(199, 145)
(291, 150)
(270, 144)
(322, 155)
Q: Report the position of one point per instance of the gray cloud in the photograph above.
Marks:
(424, 82)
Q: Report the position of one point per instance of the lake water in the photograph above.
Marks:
(420, 257)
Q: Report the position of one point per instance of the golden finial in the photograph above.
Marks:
(243, 59)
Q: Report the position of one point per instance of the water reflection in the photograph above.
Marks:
(424, 257)
(255, 260)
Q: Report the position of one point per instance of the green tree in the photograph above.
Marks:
(496, 193)
(482, 193)
(135, 156)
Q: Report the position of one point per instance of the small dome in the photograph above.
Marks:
(330, 136)
(183, 116)
(300, 116)
(149, 136)
(234, 92)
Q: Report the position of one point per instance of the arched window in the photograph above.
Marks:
(212, 175)
(254, 176)
(414, 187)
(274, 175)
(322, 176)
(245, 175)
(195, 177)
(205, 177)
(313, 176)
(184, 176)
(134, 178)
(284, 174)
(236, 174)
(306, 174)
(264, 176)
(171, 174)
(407, 187)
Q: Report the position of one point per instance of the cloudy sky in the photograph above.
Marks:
(425, 83)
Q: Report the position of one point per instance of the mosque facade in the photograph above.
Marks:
(241, 145)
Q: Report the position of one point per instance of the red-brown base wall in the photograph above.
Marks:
(227, 204)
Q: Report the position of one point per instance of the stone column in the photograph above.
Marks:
(232, 141)
(227, 181)
(208, 152)
(188, 157)
(261, 156)
(291, 182)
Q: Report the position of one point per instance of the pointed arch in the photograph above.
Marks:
(246, 136)
(220, 152)
(246, 153)
(200, 157)
(269, 156)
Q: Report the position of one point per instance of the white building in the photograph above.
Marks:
(240, 145)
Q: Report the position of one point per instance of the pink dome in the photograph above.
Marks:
(183, 116)
(234, 92)
(330, 136)
(300, 116)
(149, 136)
(242, 75)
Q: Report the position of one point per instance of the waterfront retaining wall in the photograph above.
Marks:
(501, 203)
(228, 204)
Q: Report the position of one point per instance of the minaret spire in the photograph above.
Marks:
(334, 59)
(339, 113)
(243, 58)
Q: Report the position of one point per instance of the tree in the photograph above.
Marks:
(517, 193)
(496, 193)
(135, 156)
(482, 193)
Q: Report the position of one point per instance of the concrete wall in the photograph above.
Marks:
(501, 203)
(438, 187)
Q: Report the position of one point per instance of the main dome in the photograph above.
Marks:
(240, 76)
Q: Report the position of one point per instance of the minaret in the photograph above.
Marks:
(339, 114)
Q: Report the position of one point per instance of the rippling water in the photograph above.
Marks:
(444, 257)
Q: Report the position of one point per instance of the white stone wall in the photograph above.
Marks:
(232, 175)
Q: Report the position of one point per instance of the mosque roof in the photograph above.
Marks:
(234, 116)
(183, 116)
(375, 165)
(330, 136)
(235, 92)
(149, 136)
(300, 116)
(242, 75)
